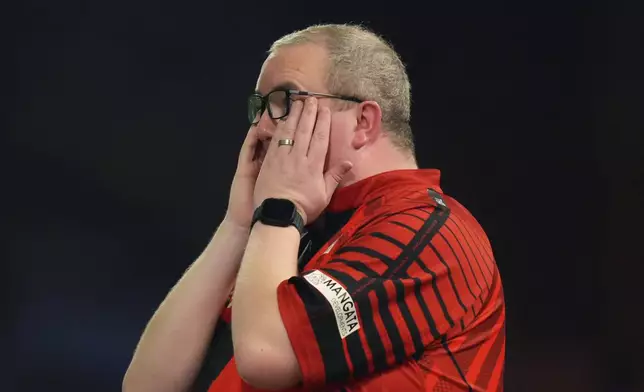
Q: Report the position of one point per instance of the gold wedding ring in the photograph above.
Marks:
(285, 142)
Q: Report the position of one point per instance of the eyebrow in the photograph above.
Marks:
(281, 86)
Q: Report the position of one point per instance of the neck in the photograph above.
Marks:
(380, 159)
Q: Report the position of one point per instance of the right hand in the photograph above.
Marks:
(240, 204)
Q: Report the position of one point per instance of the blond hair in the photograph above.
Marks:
(364, 65)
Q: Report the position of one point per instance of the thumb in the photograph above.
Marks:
(334, 175)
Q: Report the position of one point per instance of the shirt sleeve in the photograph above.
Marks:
(391, 291)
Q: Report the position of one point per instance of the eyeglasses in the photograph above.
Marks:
(278, 103)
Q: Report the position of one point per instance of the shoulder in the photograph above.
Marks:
(415, 205)
(412, 219)
(419, 202)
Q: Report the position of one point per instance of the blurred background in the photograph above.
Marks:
(125, 119)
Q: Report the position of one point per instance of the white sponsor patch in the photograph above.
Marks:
(343, 305)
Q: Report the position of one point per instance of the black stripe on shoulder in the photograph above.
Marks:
(388, 238)
(411, 254)
(460, 264)
(401, 299)
(420, 218)
(469, 262)
(477, 244)
(367, 316)
(354, 344)
(433, 329)
(449, 277)
(437, 293)
(403, 225)
(322, 320)
(347, 280)
(397, 345)
(365, 251)
(358, 266)
(467, 242)
(412, 250)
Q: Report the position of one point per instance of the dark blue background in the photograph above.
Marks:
(127, 118)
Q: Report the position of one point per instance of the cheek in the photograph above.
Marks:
(339, 144)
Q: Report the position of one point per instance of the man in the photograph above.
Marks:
(391, 286)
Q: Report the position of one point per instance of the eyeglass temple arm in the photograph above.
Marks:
(307, 93)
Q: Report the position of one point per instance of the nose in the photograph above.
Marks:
(264, 133)
(266, 127)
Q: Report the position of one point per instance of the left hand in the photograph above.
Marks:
(297, 172)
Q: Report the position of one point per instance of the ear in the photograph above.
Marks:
(368, 124)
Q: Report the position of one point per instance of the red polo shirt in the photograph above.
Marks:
(405, 296)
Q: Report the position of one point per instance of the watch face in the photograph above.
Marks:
(278, 210)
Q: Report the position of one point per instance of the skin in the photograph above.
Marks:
(332, 148)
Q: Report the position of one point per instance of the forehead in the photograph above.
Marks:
(298, 67)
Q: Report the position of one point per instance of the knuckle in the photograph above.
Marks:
(320, 134)
(288, 126)
(311, 106)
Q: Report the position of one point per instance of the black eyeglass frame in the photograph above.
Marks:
(265, 105)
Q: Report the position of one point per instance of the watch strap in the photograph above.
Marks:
(297, 221)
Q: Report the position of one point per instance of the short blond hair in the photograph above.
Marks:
(364, 65)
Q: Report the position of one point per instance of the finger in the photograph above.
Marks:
(250, 146)
(319, 144)
(305, 127)
(286, 128)
(334, 175)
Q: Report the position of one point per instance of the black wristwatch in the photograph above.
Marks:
(278, 212)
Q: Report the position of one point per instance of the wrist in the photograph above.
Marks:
(279, 212)
(233, 227)
(262, 228)
(300, 211)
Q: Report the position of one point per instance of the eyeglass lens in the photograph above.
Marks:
(277, 102)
